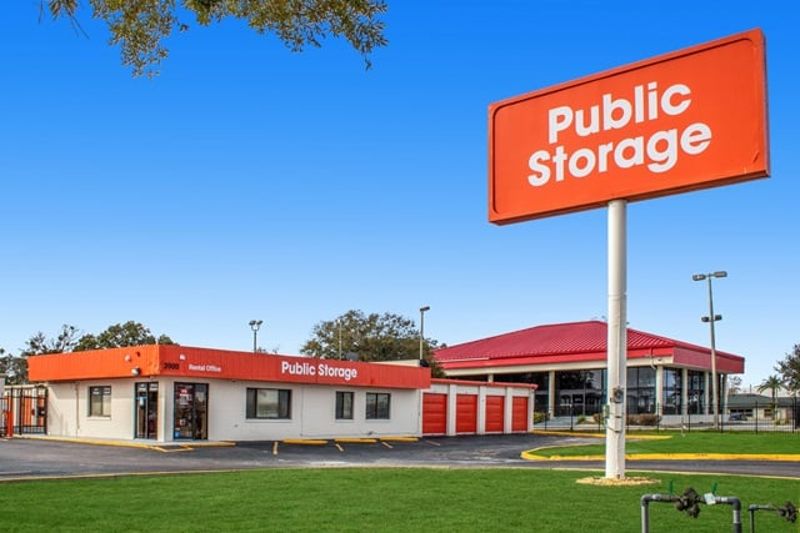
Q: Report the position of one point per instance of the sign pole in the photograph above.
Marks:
(617, 339)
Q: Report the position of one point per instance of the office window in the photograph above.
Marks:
(378, 404)
(344, 405)
(269, 403)
(100, 401)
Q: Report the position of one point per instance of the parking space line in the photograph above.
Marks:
(275, 448)
(338, 446)
(432, 443)
(387, 445)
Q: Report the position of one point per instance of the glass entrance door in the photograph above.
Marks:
(191, 411)
(146, 410)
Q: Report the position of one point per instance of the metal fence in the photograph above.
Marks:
(782, 416)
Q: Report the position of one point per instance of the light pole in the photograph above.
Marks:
(422, 328)
(255, 325)
(711, 318)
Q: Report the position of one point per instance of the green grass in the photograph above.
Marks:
(697, 442)
(371, 500)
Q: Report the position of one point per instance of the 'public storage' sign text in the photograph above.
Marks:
(688, 120)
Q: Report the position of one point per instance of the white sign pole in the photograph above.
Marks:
(617, 339)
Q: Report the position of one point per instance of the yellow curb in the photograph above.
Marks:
(531, 455)
(157, 446)
(95, 442)
(356, 440)
(172, 450)
(306, 442)
(629, 436)
(399, 439)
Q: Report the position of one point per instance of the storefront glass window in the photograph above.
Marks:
(580, 392)
(641, 389)
(672, 391)
(696, 391)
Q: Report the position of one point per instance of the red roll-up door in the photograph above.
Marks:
(434, 414)
(519, 414)
(466, 413)
(495, 411)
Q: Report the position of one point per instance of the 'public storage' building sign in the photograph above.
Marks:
(687, 120)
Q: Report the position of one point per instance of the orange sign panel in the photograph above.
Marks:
(687, 120)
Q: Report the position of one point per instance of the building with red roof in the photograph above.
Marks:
(567, 362)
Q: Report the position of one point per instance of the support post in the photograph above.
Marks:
(617, 339)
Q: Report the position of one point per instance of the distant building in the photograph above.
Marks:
(750, 407)
(567, 362)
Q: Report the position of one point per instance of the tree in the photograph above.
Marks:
(734, 385)
(372, 337)
(120, 335)
(39, 343)
(15, 368)
(772, 383)
(140, 27)
(789, 370)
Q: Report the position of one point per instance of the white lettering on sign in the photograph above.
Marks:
(318, 369)
(659, 150)
(205, 368)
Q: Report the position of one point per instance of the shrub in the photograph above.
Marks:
(539, 417)
(598, 418)
(645, 419)
(581, 419)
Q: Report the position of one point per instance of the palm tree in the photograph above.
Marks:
(773, 383)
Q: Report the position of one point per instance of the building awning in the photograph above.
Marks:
(204, 363)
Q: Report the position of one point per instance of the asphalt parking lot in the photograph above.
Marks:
(20, 458)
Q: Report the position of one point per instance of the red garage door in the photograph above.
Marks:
(495, 411)
(466, 413)
(519, 414)
(434, 414)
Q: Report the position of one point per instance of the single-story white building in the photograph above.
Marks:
(173, 393)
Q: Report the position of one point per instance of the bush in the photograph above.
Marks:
(645, 419)
(539, 417)
(598, 418)
(581, 419)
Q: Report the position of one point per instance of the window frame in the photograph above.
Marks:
(105, 392)
(251, 413)
(377, 412)
(339, 408)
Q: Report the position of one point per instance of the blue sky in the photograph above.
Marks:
(250, 182)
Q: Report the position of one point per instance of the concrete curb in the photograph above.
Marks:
(154, 446)
(531, 455)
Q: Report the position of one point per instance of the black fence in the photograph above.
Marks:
(782, 415)
(25, 410)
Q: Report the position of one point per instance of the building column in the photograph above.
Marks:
(551, 393)
(452, 391)
(707, 394)
(508, 410)
(660, 390)
(490, 378)
(684, 391)
(723, 392)
(481, 429)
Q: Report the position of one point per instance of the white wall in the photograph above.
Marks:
(312, 413)
(68, 415)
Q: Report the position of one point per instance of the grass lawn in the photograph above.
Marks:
(372, 500)
(696, 442)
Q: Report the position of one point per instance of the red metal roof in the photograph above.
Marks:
(558, 339)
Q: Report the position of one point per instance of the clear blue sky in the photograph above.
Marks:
(249, 182)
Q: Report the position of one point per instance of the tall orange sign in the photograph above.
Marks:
(687, 120)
